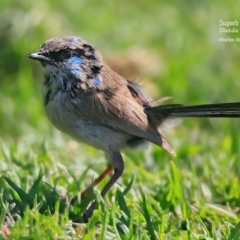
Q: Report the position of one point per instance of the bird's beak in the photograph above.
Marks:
(38, 56)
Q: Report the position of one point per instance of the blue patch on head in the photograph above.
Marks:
(96, 81)
(74, 60)
(76, 72)
(72, 64)
(69, 68)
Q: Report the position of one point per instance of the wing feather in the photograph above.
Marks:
(118, 109)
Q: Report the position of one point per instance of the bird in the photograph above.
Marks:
(87, 100)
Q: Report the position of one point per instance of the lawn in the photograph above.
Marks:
(171, 49)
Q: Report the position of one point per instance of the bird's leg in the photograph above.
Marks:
(98, 180)
(118, 166)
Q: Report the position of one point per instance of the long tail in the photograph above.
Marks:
(219, 110)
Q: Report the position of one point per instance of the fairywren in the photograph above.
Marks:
(87, 100)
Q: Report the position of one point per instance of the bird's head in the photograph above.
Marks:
(70, 58)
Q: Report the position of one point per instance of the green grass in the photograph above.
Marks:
(194, 195)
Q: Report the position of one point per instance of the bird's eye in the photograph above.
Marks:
(66, 54)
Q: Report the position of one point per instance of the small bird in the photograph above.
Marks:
(87, 100)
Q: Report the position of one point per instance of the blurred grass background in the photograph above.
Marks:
(171, 48)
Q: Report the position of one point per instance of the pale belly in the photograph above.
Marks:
(96, 135)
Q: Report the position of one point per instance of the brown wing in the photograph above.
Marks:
(120, 108)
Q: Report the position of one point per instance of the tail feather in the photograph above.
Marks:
(160, 116)
(219, 110)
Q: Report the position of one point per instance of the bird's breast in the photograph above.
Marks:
(61, 114)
